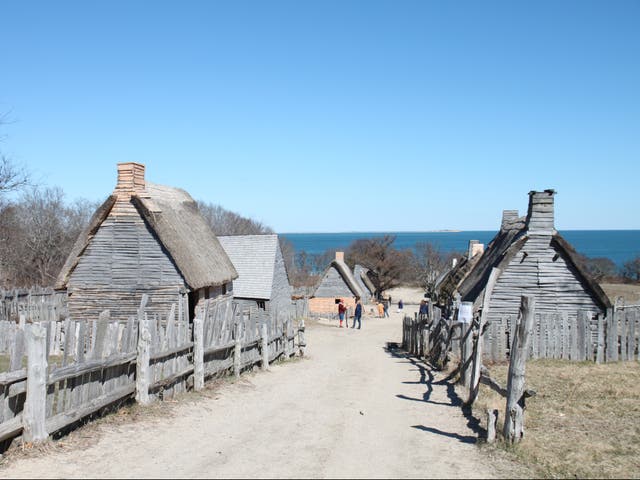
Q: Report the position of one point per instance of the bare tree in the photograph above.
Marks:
(12, 177)
(388, 266)
(38, 233)
(226, 222)
(631, 269)
(431, 263)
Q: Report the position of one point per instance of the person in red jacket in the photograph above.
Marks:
(342, 310)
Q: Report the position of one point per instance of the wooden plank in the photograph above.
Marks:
(17, 350)
(631, 338)
(144, 351)
(623, 336)
(11, 428)
(514, 417)
(35, 404)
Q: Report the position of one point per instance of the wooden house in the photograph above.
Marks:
(144, 238)
(262, 276)
(532, 258)
(367, 287)
(337, 282)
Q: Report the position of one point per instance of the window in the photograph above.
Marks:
(261, 304)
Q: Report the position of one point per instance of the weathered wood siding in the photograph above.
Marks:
(539, 270)
(281, 289)
(123, 260)
(333, 285)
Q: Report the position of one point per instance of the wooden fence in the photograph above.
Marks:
(104, 363)
(35, 304)
(586, 337)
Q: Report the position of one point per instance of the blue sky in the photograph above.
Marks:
(334, 116)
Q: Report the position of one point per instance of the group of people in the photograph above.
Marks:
(383, 308)
(357, 313)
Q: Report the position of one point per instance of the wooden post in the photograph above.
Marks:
(477, 353)
(466, 349)
(492, 420)
(143, 369)
(600, 350)
(198, 354)
(301, 343)
(514, 416)
(34, 415)
(237, 350)
(264, 328)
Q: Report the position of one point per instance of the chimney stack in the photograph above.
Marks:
(540, 215)
(474, 247)
(130, 179)
(508, 217)
(340, 256)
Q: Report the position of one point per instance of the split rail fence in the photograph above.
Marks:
(75, 369)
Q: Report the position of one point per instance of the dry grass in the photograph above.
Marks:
(629, 291)
(584, 421)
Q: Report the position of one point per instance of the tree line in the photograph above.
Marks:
(38, 227)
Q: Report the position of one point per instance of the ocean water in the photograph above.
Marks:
(618, 245)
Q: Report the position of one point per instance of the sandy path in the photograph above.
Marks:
(349, 409)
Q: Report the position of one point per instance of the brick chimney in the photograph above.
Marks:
(340, 256)
(540, 215)
(130, 179)
(508, 217)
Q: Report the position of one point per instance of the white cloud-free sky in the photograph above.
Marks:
(334, 115)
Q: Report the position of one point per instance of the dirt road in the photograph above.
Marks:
(351, 408)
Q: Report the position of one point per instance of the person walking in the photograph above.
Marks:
(357, 314)
(385, 306)
(342, 310)
(380, 310)
(424, 309)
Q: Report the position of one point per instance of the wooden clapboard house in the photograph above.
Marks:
(532, 258)
(367, 287)
(262, 280)
(337, 282)
(144, 238)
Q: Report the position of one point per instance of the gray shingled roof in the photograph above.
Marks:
(254, 257)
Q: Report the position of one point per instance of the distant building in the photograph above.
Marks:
(262, 277)
(144, 238)
(337, 282)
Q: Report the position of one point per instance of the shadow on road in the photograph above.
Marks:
(427, 378)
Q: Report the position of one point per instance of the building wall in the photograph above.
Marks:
(122, 261)
(319, 305)
(533, 270)
(333, 285)
(281, 290)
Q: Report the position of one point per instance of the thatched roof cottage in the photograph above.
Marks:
(532, 258)
(367, 287)
(447, 286)
(262, 276)
(336, 282)
(145, 238)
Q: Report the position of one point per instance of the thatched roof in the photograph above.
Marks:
(362, 273)
(345, 272)
(173, 216)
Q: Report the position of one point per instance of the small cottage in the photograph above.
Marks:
(446, 286)
(145, 238)
(262, 276)
(532, 258)
(367, 287)
(337, 282)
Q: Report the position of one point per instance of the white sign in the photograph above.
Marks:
(465, 314)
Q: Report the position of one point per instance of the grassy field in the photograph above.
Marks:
(583, 423)
(629, 291)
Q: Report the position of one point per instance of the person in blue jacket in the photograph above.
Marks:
(358, 313)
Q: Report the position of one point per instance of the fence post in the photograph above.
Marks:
(143, 369)
(264, 328)
(198, 354)
(477, 353)
(237, 350)
(600, 348)
(35, 405)
(514, 415)
(301, 342)
(492, 420)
